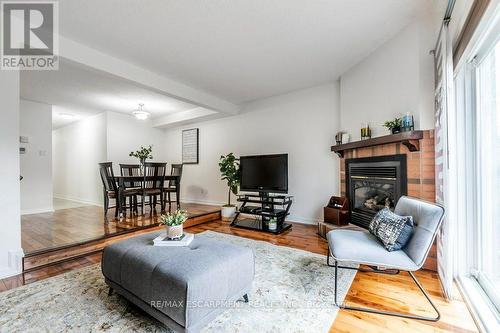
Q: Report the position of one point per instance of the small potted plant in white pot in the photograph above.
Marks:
(272, 224)
(174, 223)
(230, 172)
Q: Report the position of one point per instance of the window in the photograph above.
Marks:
(474, 140)
(488, 148)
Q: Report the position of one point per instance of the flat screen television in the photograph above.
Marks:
(264, 173)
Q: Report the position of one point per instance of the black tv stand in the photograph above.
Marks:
(265, 210)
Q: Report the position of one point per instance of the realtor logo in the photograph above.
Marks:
(29, 33)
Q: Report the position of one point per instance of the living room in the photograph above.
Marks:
(295, 166)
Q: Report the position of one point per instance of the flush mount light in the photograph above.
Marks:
(66, 116)
(140, 113)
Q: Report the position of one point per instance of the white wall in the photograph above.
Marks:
(10, 223)
(109, 136)
(77, 148)
(395, 79)
(302, 124)
(36, 164)
(125, 134)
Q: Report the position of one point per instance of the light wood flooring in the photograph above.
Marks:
(396, 293)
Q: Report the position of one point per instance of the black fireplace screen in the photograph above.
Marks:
(373, 195)
(374, 183)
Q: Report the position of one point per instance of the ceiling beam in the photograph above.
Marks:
(185, 117)
(82, 54)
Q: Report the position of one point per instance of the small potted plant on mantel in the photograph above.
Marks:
(142, 154)
(393, 125)
(174, 223)
(230, 172)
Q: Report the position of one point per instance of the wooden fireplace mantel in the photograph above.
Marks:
(409, 139)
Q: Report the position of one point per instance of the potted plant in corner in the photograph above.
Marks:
(142, 154)
(230, 172)
(174, 223)
(393, 125)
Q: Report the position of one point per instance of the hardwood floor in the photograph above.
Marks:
(81, 224)
(396, 293)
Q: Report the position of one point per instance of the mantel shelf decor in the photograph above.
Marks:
(409, 139)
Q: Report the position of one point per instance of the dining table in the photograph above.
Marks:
(122, 180)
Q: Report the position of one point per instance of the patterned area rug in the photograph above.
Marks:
(292, 292)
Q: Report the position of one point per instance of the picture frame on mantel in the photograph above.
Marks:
(190, 146)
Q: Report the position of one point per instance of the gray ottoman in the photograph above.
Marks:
(183, 287)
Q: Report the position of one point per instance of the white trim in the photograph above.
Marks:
(14, 264)
(469, 240)
(490, 289)
(78, 200)
(481, 309)
(479, 34)
(486, 35)
(291, 218)
(202, 202)
(37, 211)
(6, 272)
(304, 220)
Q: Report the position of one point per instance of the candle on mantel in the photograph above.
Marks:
(366, 132)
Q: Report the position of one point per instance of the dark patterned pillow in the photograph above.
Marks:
(392, 230)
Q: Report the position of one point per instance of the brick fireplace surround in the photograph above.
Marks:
(420, 172)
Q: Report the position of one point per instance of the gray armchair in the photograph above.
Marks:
(362, 248)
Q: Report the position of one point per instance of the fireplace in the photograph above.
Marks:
(373, 183)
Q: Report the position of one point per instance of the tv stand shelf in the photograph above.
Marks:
(266, 211)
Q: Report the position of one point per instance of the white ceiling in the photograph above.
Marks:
(65, 115)
(240, 50)
(81, 91)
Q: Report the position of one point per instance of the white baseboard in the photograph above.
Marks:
(291, 218)
(303, 220)
(14, 264)
(37, 211)
(203, 202)
(6, 272)
(86, 202)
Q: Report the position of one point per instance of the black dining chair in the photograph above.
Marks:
(110, 189)
(153, 186)
(171, 187)
(132, 170)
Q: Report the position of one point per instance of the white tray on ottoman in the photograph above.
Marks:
(155, 277)
(162, 240)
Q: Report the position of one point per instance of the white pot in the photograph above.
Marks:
(273, 226)
(174, 232)
(228, 213)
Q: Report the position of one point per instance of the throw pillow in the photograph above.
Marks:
(392, 230)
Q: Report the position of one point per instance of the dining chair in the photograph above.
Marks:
(176, 170)
(154, 185)
(110, 189)
(132, 170)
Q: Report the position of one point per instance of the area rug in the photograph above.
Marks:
(292, 292)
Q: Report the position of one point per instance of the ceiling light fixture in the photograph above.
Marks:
(66, 116)
(140, 113)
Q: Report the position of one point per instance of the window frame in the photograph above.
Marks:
(475, 289)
